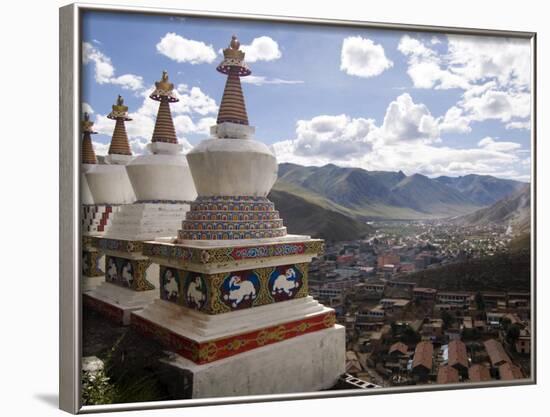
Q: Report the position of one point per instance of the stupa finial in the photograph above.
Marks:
(119, 142)
(119, 110)
(87, 124)
(88, 153)
(234, 44)
(232, 107)
(164, 126)
(164, 90)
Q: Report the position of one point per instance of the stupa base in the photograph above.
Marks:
(117, 303)
(91, 283)
(204, 338)
(308, 363)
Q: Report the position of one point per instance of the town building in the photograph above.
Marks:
(508, 372)
(479, 373)
(496, 352)
(458, 357)
(422, 364)
(424, 294)
(447, 375)
(398, 349)
(523, 343)
(454, 298)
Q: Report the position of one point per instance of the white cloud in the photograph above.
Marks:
(406, 121)
(100, 148)
(493, 72)
(469, 60)
(128, 81)
(194, 100)
(261, 80)
(407, 140)
(104, 71)
(492, 145)
(262, 49)
(363, 58)
(86, 108)
(519, 125)
(181, 49)
(499, 105)
(455, 121)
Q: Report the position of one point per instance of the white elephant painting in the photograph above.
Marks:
(195, 293)
(127, 276)
(239, 291)
(111, 270)
(170, 284)
(286, 283)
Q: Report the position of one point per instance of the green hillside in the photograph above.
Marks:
(514, 210)
(509, 271)
(311, 217)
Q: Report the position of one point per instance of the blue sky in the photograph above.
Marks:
(380, 100)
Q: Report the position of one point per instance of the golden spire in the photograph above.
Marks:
(88, 154)
(164, 125)
(119, 142)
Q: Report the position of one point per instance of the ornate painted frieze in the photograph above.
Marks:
(90, 263)
(228, 218)
(228, 234)
(235, 290)
(120, 245)
(128, 273)
(187, 254)
(214, 350)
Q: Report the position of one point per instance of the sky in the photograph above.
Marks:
(370, 98)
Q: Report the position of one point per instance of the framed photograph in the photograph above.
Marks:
(258, 208)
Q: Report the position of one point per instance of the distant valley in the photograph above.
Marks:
(334, 202)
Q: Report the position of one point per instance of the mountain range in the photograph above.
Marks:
(378, 195)
(514, 210)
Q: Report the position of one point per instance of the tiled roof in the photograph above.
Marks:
(457, 354)
(423, 355)
(509, 372)
(479, 373)
(447, 375)
(496, 352)
(398, 347)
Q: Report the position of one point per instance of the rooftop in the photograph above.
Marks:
(457, 354)
(496, 352)
(479, 373)
(423, 355)
(447, 375)
(509, 372)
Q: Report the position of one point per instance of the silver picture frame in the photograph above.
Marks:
(70, 308)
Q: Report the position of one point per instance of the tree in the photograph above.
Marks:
(409, 336)
(505, 323)
(447, 318)
(480, 302)
(513, 333)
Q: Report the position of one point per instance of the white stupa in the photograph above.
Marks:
(234, 303)
(109, 182)
(95, 217)
(163, 187)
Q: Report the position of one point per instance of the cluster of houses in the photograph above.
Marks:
(430, 336)
(399, 333)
